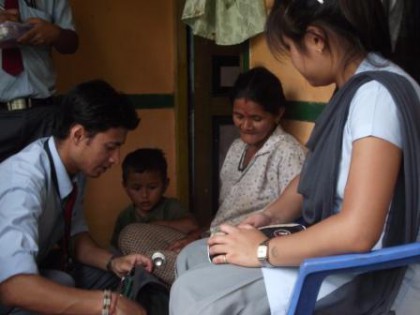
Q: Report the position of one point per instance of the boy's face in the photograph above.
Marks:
(145, 189)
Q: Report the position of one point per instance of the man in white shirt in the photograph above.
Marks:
(94, 122)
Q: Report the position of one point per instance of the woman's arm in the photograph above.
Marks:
(187, 225)
(286, 208)
(374, 168)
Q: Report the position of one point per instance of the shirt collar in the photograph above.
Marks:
(65, 185)
(368, 64)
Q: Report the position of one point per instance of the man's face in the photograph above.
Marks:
(98, 153)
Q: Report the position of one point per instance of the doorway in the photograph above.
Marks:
(213, 70)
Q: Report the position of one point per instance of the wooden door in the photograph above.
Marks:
(213, 70)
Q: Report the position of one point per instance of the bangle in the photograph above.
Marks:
(106, 304)
(109, 263)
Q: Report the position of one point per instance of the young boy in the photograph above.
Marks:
(152, 223)
(145, 181)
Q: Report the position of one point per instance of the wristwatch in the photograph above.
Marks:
(262, 254)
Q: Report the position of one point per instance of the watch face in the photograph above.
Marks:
(262, 252)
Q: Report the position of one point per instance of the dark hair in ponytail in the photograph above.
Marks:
(362, 23)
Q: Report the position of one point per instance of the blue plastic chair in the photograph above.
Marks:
(313, 271)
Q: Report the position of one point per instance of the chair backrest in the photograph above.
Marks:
(313, 271)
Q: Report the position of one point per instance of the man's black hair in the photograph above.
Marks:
(96, 106)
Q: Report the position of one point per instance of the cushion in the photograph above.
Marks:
(147, 239)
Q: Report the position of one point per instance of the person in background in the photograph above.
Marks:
(40, 207)
(359, 188)
(260, 164)
(145, 180)
(27, 102)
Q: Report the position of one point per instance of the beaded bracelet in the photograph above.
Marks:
(106, 302)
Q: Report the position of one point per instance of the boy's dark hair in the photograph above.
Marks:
(260, 86)
(97, 107)
(145, 159)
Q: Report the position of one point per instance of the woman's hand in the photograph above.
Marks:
(123, 265)
(257, 220)
(238, 246)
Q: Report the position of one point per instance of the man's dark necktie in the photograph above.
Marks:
(68, 211)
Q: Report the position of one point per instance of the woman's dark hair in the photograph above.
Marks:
(362, 23)
(143, 160)
(260, 86)
(97, 107)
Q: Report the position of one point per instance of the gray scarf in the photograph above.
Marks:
(372, 293)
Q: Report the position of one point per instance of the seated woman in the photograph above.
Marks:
(262, 162)
(359, 188)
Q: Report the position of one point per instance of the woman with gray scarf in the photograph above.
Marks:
(359, 188)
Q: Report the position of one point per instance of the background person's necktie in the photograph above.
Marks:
(12, 57)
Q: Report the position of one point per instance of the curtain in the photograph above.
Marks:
(227, 22)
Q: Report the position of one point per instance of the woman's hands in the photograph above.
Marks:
(236, 245)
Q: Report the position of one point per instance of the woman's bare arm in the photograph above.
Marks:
(373, 172)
